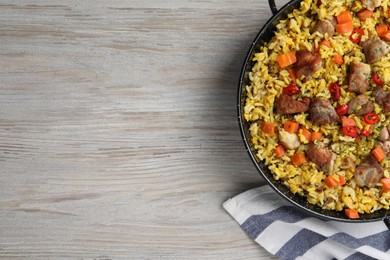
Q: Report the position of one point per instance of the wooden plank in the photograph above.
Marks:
(118, 128)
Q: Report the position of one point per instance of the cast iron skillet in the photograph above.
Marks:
(265, 34)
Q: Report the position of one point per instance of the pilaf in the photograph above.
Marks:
(318, 104)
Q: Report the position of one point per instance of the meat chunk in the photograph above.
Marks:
(324, 26)
(382, 98)
(386, 104)
(368, 173)
(288, 105)
(374, 49)
(320, 156)
(360, 105)
(347, 164)
(288, 140)
(371, 4)
(359, 77)
(385, 145)
(384, 134)
(380, 95)
(307, 62)
(322, 112)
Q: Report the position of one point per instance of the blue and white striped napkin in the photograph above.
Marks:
(288, 233)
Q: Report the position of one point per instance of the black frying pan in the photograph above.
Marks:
(265, 34)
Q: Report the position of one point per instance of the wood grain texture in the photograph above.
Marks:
(118, 128)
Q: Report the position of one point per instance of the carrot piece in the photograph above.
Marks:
(351, 213)
(386, 36)
(343, 28)
(378, 154)
(346, 121)
(332, 181)
(381, 29)
(341, 180)
(268, 128)
(291, 126)
(316, 136)
(306, 133)
(286, 59)
(279, 151)
(365, 14)
(293, 75)
(323, 42)
(298, 159)
(344, 16)
(385, 184)
(338, 59)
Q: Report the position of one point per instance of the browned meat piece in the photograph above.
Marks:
(380, 95)
(368, 173)
(322, 112)
(288, 105)
(371, 4)
(374, 49)
(347, 164)
(386, 104)
(307, 62)
(384, 134)
(324, 26)
(385, 145)
(359, 77)
(321, 156)
(360, 105)
(382, 98)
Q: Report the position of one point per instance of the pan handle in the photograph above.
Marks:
(272, 6)
(387, 221)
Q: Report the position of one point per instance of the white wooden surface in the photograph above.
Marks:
(118, 129)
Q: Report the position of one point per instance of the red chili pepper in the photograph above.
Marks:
(371, 118)
(291, 90)
(356, 35)
(365, 132)
(342, 110)
(377, 80)
(334, 90)
(350, 131)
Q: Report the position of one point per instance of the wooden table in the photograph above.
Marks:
(118, 128)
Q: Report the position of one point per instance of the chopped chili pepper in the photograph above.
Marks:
(350, 131)
(291, 90)
(371, 118)
(342, 110)
(356, 35)
(377, 80)
(334, 90)
(365, 132)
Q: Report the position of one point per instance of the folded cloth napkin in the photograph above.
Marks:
(289, 233)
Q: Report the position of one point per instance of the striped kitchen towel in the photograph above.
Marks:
(289, 233)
